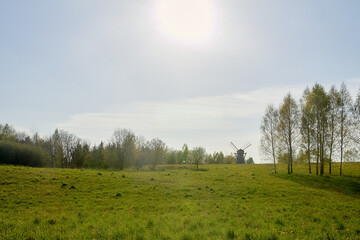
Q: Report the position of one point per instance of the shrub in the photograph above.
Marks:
(22, 154)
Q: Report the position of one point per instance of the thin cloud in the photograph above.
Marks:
(171, 119)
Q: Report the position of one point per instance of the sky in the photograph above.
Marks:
(186, 71)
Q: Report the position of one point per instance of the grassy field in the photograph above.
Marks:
(177, 202)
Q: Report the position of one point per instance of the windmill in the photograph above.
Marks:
(240, 154)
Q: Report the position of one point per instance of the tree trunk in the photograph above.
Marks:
(274, 158)
(274, 165)
(273, 153)
(317, 152)
(331, 145)
(341, 167)
(317, 159)
(289, 165)
(322, 161)
(317, 163)
(291, 160)
(341, 156)
(308, 150)
(290, 149)
(322, 146)
(330, 161)
(341, 146)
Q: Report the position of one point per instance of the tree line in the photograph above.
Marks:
(63, 149)
(321, 127)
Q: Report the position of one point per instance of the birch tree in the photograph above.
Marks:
(307, 126)
(356, 114)
(318, 102)
(197, 156)
(124, 144)
(288, 126)
(332, 121)
(345, 106)
(158, 150)
(269, 134)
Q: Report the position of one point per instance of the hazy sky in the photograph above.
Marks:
(196, 72)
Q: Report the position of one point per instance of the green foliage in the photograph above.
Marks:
(185, 154)
(96, 157)
(123, 146)
(218, 158)
(283, 158)
(328, 123)
(288, 127)
(158, 151)
(197, 156)
(60, 160)
(270, 134)
(171, 157)
(250, 160)
(7, 132)
(301, 157)
(79, 155)
(22, 154)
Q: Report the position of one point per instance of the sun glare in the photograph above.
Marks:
(186, 21)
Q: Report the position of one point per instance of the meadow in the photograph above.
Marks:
(178, 202)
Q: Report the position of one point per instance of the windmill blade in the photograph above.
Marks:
(247, 146)
(234, 146)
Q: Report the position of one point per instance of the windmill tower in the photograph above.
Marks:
(240, 154)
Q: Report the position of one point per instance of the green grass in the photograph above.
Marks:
(176, 202)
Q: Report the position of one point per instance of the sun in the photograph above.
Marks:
(186, 21)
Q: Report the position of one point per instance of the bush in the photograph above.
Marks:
(22, 154)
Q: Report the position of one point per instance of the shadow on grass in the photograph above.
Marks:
(349, 185)
(200, 170)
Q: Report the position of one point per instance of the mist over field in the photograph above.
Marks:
(200, 73)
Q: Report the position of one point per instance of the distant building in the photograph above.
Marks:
(240, 159)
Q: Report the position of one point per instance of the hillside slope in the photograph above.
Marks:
(177, 202)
